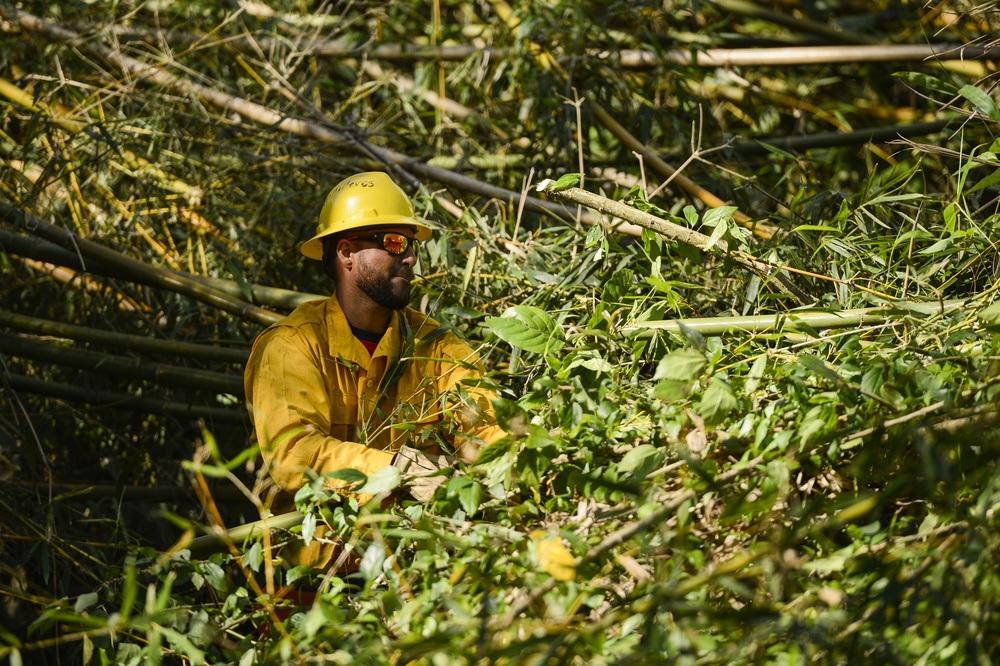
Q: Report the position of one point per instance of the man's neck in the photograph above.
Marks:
(362, 312)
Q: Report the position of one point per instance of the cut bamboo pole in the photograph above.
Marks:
(217, 543)
(797, 320)
(40, 249)
(82, 282)
(660, 165)
(680, 234)
(157, 276)
(630, 59)
(800, 25)
(100, 362)
(137, 343)
(788, 56)
(107, 399)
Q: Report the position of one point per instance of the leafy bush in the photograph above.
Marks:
(700, 467)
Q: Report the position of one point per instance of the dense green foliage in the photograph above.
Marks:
(744, 494)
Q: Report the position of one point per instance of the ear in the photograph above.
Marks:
(345, 253)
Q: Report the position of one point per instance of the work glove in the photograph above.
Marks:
(414, 465)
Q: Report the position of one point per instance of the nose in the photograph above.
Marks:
(408, 258)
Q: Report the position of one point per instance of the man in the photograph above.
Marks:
(359, 380)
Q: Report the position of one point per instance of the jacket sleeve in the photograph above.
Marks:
(290, 410)
(470, 405)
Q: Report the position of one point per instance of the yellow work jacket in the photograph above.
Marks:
(319, 401)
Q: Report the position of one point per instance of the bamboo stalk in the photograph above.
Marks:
(680, 234)
(157, 276)
(160, 373)
(285, 299)
(40, 249)
(130, 342)
(630, 59)
(107, 399)
(797, 319)
(813, 55)
(216, 543)
(833, 139)
(669, 172)
(747, 8)
(82, 282)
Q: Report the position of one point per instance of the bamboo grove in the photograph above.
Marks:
(731, 265)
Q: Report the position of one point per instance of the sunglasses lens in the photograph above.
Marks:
(395, 243)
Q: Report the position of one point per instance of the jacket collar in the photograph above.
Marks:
(343, 342)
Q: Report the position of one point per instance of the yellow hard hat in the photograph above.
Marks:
(367, 199)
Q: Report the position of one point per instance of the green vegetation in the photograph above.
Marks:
(752, 410)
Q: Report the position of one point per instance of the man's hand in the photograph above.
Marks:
(415, 466)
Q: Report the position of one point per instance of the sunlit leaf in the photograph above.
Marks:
(528, 328)
(555, 559)
(382, 481)
(981, 100)
(681, 365)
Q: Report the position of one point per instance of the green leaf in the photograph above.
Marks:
(682, 365)
(594, 363)
(527, 327)
(691, 215)
(461, 312)
(254, 556)
(717, 234)
(594, 236)
(348, 475)
(991, 313)
(755, 375)
(249, 658)
(565, 182)
(213, 573)
(717, 402)
(671, 390)
(493, 451)
(85, 601)
(510, 416)
(183, 645)
(295, 573)
(641, 460)
(991, 180)
(818, 366)
(130, 589)
(830, 564)
(382, 481)
(372, 560)
(817, 227)
(929, 82)
(716, 216)
(469, 497)
(308, 527)
(981, 100)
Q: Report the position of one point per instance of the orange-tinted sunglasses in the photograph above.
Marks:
(392, 242)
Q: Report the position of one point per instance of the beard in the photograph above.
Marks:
(385, 290)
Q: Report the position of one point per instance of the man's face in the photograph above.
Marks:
(384, 277)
